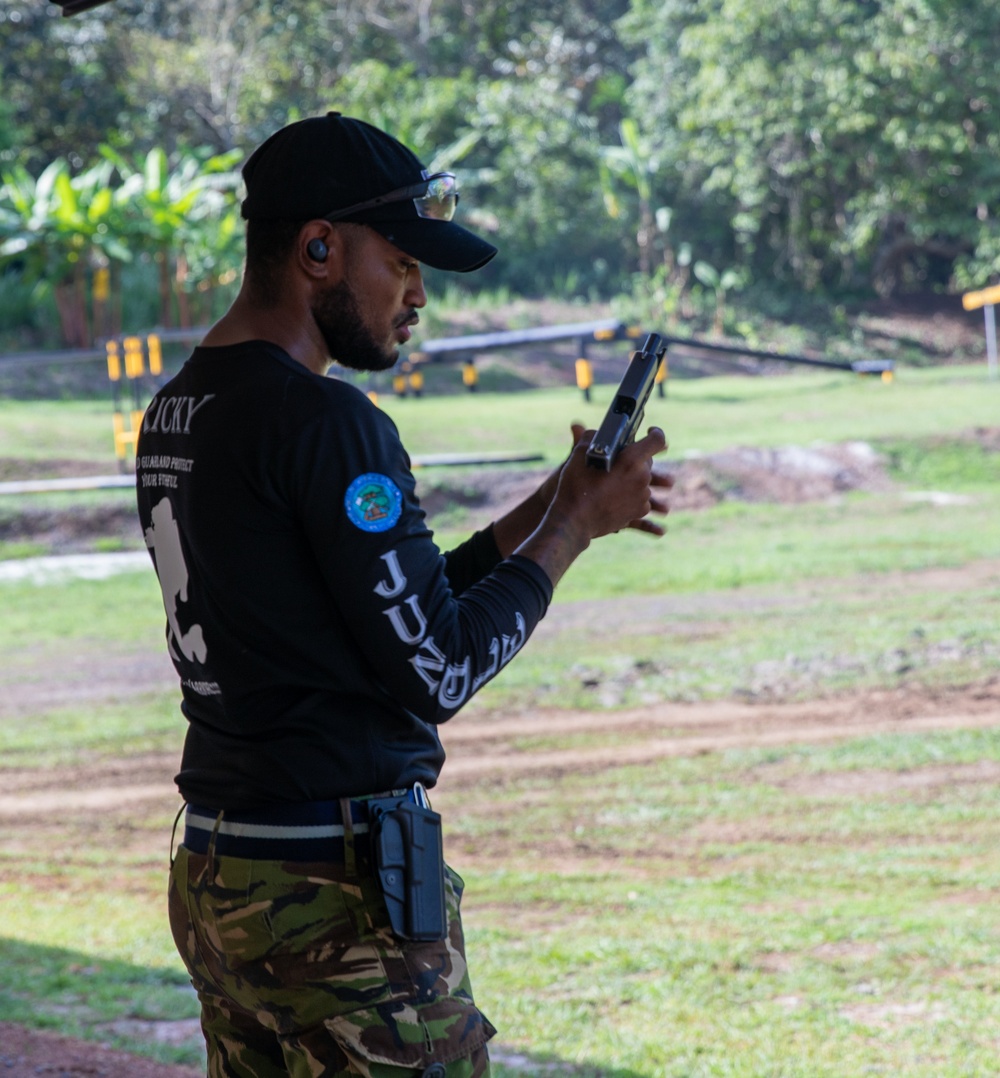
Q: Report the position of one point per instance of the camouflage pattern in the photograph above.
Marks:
(299, 974)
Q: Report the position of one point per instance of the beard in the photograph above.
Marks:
(348, 340)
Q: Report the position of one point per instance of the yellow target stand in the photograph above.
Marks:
(408, 379)
(987, 298)
(585, 369)
(660, 381)
(470, 376)
(129, 358)
(584, 376)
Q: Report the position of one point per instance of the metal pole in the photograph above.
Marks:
(991, 338)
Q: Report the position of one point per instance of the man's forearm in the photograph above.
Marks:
(514, 527)
(555, 544)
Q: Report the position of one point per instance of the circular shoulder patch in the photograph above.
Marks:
(373, 502)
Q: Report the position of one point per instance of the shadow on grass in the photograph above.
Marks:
(150, 1012)
(154, 1012)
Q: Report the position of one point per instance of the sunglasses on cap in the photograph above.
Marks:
(434, 197)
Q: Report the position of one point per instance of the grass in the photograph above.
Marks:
(120, 609)
(81, 735)
(69, 430)
(755, 923)
(68, 989)
(800, 911)
(743, 913)
(742, 600)
(707, 415)
(699, 415)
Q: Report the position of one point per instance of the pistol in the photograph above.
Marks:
(625, 413)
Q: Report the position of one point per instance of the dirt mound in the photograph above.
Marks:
(49, 468)
(62, 531)
(787, 474)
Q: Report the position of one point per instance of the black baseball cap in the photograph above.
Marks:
(315, 167)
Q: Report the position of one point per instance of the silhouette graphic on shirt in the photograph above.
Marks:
(164, 540)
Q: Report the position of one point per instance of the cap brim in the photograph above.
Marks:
(440, 244)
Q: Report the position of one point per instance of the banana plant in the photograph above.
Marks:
(210, 256)
(183, 216)
(720, 284)
(58, 229)
(632, 163)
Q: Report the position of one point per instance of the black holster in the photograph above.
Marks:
(409, 859)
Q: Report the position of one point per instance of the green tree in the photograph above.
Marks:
(539, 175)
(207, 73)
(844, 139)
(437, 117)
(10, 136)
(61, 82)
(528, 161)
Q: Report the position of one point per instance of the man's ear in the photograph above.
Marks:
(320, 250)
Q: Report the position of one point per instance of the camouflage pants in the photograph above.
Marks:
(299, 974)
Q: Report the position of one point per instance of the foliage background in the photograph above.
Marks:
(830, 147)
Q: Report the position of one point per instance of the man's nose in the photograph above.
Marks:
(415, 294)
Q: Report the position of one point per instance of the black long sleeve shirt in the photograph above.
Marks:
(318, 632)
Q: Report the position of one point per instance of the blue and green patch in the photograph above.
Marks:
(373, 502)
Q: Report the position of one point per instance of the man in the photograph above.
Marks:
(319, 634)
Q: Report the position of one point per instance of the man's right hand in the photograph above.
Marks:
(589, 503)
(606, 502)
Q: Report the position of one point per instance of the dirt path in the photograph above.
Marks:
(26, 1052)
(483, 747)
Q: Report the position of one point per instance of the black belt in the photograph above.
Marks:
(306, 831)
